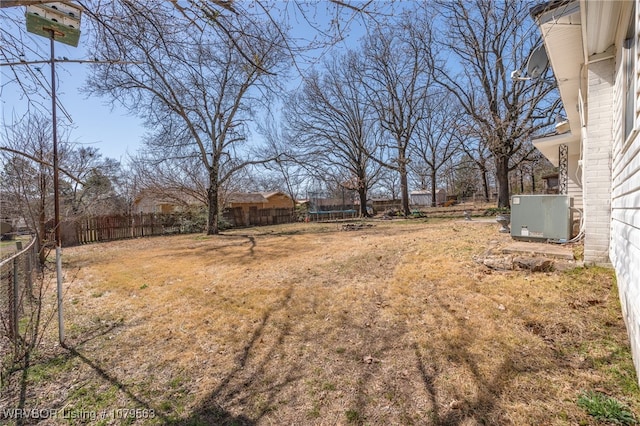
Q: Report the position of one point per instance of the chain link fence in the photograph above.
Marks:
(20, 301)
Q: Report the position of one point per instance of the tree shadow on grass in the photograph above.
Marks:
(251, 387)
(249, 380)
(212, 415)
(227, 246)
(482, 406)
(239, 385)
(265, 374)
(210, 411)
(27, 364)
(215, 414)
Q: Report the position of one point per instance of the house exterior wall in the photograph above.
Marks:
(279, 201)
(574, 186)
(149, 202)
(624, 249)
(145, 205)
(247, 206)
(251, 213)
(424, 198)
(611, 150)
(625, 238)
(597, 162)
(148, 205)
(273, 202)
(166, 208)
(420, 199)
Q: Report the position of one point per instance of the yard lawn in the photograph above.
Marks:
(307, 324)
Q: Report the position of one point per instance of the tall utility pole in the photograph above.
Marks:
(57, 22)
(56, 192)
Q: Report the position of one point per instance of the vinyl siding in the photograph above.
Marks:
(624, 250)
(575, 192)
(625, 237)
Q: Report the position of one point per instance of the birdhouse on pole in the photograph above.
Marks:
(58, 19)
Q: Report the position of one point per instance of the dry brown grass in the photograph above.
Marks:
(306, 324)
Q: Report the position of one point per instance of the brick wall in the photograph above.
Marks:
(597, 162)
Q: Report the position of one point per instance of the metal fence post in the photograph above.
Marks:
(11, 319)
(15, 282)
(16, 292)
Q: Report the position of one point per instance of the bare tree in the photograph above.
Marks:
(195, 92)
(332, 125)
(288, 173)
(29, 81)
(183, 181)
(464, 176)
(487, 40)
(387, 185)
(88, 182)
(435, 141)
(14, 3)
(398, 80)
(476, 150)
(326, 24)
(27, 180)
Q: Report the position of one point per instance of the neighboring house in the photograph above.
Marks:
(423, 198)
(551, 183)
(150, 202)
(260, 200)
(259, 208)
(593, 49)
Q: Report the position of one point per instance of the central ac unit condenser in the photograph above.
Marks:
(541, 217)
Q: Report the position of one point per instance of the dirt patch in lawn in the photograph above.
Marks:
(394, 323)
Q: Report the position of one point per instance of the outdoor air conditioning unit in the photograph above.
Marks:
(541, 217)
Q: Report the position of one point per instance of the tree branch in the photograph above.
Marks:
(45, 163)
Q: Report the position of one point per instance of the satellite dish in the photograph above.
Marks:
(538, 62)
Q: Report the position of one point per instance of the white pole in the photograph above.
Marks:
(56, 194)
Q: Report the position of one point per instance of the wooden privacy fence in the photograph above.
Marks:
(239, 216)
(319, 216)
(270, 216)
(109, 228)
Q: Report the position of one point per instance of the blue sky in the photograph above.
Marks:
(95, 121)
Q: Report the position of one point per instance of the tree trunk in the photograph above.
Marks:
(212, 195)
(434, 197)
(42, 219)
(404, 183)
(362, 193)
(533, 181)
(502, 178)
(485, 184)
(521, 181)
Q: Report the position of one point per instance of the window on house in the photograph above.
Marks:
(629, 75)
